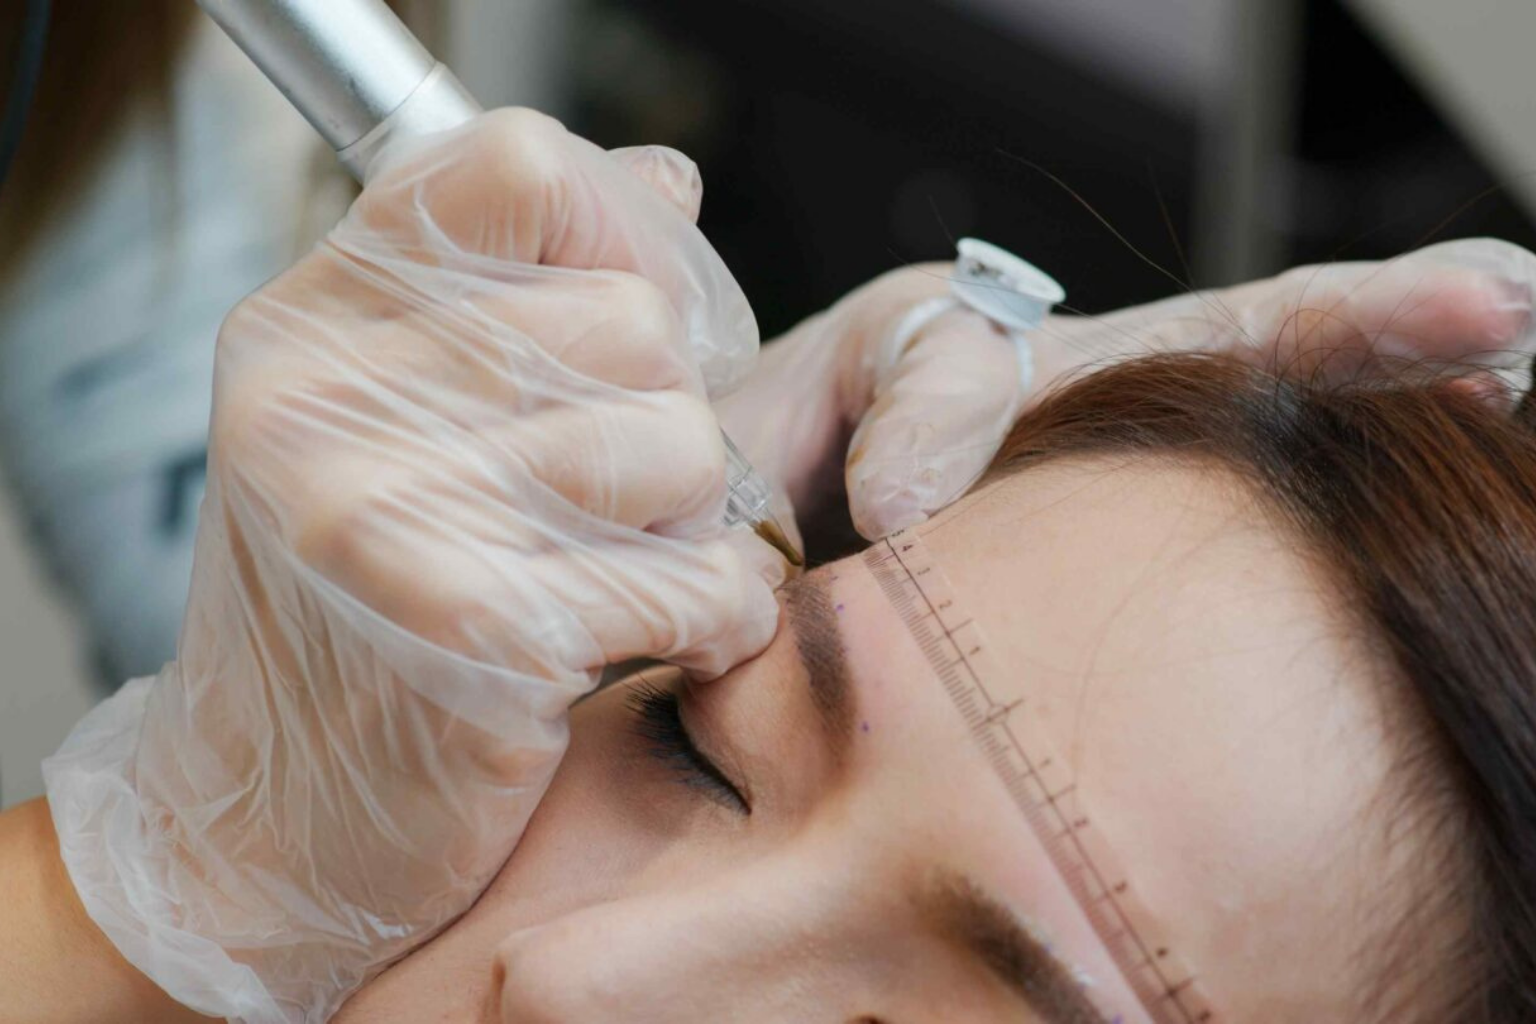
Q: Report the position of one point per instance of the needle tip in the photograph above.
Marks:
(775, 537)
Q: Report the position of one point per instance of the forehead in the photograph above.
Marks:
(1214, 701)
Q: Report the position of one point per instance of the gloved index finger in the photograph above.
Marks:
(514, 187)
(938, 415)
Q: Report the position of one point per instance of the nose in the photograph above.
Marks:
(711, 953)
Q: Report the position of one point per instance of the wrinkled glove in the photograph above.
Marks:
(433, 515)
(911, 419)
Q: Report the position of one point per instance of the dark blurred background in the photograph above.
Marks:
(1224, 139)
(1132, 148)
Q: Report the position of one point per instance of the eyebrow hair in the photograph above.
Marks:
(819, 643)
(954, 907)
(962, 913)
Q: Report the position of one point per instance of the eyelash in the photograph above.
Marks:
(659, 721)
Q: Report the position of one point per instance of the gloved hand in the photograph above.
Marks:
(912, 419)
(433, 515)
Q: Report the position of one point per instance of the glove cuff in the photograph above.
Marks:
(122, 867)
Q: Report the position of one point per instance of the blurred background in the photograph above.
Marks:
(1132, 148)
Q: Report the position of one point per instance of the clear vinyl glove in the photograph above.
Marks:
(461, 459)
(912, 418)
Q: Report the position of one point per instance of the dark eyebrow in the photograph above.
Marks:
(819, 643)
(962, 913)
(955, 908)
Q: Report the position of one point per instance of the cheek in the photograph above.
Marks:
(771, 943)
(591, 833)
(604, 829)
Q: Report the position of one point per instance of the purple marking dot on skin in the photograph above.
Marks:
(839, 608)
(863, 727)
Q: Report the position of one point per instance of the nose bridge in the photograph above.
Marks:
(756, 946)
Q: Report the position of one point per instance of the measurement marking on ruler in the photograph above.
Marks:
(1167, 992)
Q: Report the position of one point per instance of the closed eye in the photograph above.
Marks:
(658, 719)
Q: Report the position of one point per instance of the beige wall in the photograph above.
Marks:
(42, 679)
(1473, 57)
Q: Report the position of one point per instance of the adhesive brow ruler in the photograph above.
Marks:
(996, 710)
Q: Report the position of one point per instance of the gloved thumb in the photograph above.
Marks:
(671, 174)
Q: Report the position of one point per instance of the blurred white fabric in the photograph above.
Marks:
(122, 325)
(109, 329)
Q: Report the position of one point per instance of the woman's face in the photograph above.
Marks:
(840, 851)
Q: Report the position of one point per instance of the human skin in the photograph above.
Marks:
(1222, 716)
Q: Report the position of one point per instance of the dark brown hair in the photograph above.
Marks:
(101, 56)
(1419, 499)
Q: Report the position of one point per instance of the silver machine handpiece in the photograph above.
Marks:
(351, 67)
